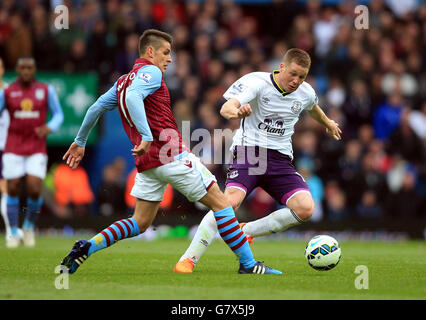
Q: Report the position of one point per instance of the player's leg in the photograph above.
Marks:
(3, 207)
(33, 208)
(13, 170)
(12, 209)
(192, 178)
(291, 191)
(144, 214)
(146, 187)
(35, 169)
(206, 233)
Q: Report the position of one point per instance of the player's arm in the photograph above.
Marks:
(106, 102)
(2, 100)
(238, 97)
(332, 127)
(57, 114)
(146, 82)
(232, 109)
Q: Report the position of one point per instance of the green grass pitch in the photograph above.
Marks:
(134, 269)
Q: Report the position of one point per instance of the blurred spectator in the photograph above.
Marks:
(72, 190)
(260, 203)
(405, 141)
(368, 207)
(112, 188)
(387, 116)
(18, 41)
(130, 200)
(335, 202)
(305, 166)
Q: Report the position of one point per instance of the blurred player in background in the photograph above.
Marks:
(269, 106)
(4, 125)
(161, 157)
(28, 102)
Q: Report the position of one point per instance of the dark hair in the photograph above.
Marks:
(152, 37)
(299, 56)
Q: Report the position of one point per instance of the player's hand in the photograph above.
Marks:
(141, 149)
(244, 111)
(74, 155)
(42, 131)
(333, 130)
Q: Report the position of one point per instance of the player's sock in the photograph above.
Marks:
(3, 208)
(12, 208)
(277, 221)
(33, 210)
(119, 230)
(204, 236)
(230, 231)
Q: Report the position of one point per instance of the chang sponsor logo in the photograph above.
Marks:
(274, 126)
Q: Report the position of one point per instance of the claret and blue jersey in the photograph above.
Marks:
(143, 101)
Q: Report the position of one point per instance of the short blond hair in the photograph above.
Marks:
(299, 56)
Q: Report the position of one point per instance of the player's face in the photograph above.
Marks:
(26, 69)
(162, 56)
(292, 76)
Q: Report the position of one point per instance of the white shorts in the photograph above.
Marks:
(16, 166)
(186, 174)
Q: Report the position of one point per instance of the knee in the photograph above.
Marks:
(303, 206)
(305, 210)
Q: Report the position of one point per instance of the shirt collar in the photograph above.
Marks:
(276, 85)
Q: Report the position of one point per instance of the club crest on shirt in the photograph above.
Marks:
(296, 107)
(39, 94)
(233, 174)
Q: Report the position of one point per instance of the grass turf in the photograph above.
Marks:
(143, 270)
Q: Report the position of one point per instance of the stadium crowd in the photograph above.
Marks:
(372, 81)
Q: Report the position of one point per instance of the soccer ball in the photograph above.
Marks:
(323, 252)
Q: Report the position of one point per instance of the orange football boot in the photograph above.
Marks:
(184, 266)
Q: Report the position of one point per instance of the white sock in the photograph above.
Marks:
(277, 221)
(3, 209)
(206, 233)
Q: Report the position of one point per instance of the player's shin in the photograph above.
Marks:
(278, 221)
(12, 205)
(230, 231)
(32, 212)
(119, 230)
(204, 236)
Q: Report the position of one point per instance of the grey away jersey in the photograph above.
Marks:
(274, 112)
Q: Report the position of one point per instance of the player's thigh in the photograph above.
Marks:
(148, 187)
(13, 166)
(284, 187)
(145, 212)
(36, 165)
(188, 176)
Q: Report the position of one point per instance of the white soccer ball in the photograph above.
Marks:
(323, 252)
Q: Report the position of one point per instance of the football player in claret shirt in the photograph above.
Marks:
(269, 106)
(25, 155)
(161, 157)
